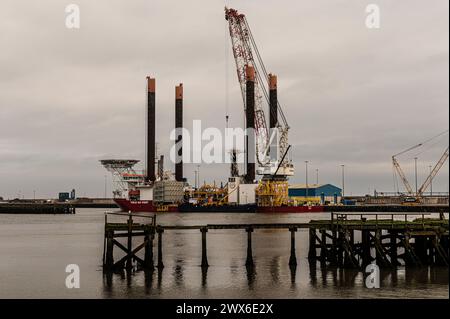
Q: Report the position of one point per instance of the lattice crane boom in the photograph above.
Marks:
(433, 173)
(246, 53)
(243, 56)
(437, 167)
(402, 175)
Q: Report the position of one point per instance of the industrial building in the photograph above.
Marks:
(315, 193)
(65, 196)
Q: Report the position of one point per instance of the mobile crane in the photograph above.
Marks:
(412, 195)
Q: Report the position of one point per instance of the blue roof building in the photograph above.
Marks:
(314, 190)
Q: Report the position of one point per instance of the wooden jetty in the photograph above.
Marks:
(347, 240)
(397, 208)
(36, 208)
(386, 241)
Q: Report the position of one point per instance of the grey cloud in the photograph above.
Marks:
(352, 95)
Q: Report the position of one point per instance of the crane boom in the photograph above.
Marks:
(433, 173)
(408, 149)
(401, 174)
(245, 54)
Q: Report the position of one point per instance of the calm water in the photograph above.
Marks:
(35, 249)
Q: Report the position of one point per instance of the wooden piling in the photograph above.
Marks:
(381, 253)
(249, 261)
(340, 248)
(293, 258)
(376, 244)
(393, 249)
(352, 237)
(312, 254)
(410, 256)
(440, 244)
(148, 254)
(323, 247)
(350, 260)
(129, 263)
(420, 248)
(365, 248)
(204, 230)
(160, 231)
(104, 242)
(109, 250)
(333, 257)
(432, 249)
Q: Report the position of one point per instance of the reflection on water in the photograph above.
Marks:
(160, 277)
(148, 279)
(293, 270)
(107, 282)
(204, 276)
(312, 274)
(251, 277)
(177, 273)
(320, 279)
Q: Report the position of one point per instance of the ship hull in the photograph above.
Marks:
(148, 206)
(189, 208)
(290, 209)
(143, 206)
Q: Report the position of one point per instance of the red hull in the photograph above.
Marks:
(290, 209)
(143, 206)
(147, 206)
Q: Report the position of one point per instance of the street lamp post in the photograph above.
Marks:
(307, 188)
(431, 183)
(343, 181)
(415, 172)
(317, 176)
(195, 172)
(105, 186)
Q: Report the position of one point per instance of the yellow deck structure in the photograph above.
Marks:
(272, 193)
(209, 195)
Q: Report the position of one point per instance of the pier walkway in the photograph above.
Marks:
(347, 240)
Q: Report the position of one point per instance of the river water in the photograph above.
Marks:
(35, 250)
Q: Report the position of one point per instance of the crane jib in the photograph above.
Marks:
(431, 175)
(245, 51)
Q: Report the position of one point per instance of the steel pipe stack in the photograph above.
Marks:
(151, 131)
(250, 124)
(179, 135)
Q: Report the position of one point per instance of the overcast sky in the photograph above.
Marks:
(352, 95)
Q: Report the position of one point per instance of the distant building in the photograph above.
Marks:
(62, 197)
(315, 193)
(72, 194)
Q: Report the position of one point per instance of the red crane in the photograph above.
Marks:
(245, 54)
